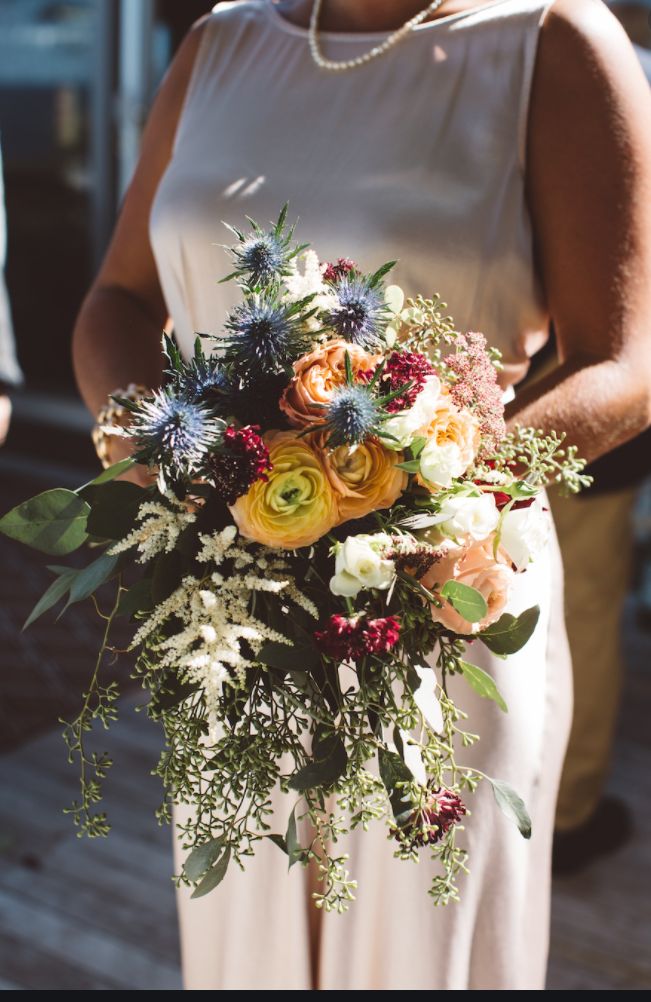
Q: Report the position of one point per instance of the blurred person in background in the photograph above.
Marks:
(596, 534)
(10, 373)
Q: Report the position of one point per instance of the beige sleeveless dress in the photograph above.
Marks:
(419, 156)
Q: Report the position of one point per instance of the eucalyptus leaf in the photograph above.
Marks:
(512, 805)
(467, 601)
(392, 772)
(410, 466)
(294, 848)
(110, 473)
(322, 771)
(510, 633)
(54, 593)
(136, 599)
(483, 684)
(53, 522)
(214, 876)
(114, 507)
(202, 857)
(88, 580)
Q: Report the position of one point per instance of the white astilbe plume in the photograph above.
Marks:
(214, 617)
(159, 529)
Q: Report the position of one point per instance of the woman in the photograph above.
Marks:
(500, 150)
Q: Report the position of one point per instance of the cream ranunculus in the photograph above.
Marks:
(361, 563)
(296, 505)
(317, 376)
(364, 477)
(453, 440)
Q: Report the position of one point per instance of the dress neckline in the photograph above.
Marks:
(357, 36)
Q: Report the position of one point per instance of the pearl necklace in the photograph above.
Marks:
(388, 43)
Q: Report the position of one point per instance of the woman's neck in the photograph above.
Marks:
(367, 15)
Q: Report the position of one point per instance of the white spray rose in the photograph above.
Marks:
(405, 426)
(440, 464)
(360, 563)
(525, 532)
(468, 517)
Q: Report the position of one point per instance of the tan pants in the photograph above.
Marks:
(596, 539)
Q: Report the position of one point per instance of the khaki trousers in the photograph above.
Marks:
(596, 539)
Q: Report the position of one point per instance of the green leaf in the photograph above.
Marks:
(286, 657)
(510, 633)
(202, 857)
(512, 805)
(392, 772)
(467, 601)
(417, 446)
(278, 840)
(294, 849)
(114, 507)
(89, 579)
(329, 763)
(167, 576)
(213, 876)
(53, 522)
(410, 466)
(56, 591)
(380, 273)
(110, 473)
(136, 599)
(483, 684)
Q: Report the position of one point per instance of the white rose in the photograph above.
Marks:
(468, 517)
(360, 563)
(525, 532)
(440, 464)
(405, 426)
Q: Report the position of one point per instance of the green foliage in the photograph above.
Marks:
(483, 684)
(53, 522)
(512, 805)
(510, 633)
(467, 601)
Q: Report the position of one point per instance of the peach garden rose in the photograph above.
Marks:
(453, 440)
(472, 565)
(317, 375)
(296, 505)
(364, 478)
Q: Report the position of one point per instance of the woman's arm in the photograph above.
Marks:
(117, 335)
(589, 190)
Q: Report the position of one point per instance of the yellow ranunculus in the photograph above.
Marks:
(365, 477)
(296, 505)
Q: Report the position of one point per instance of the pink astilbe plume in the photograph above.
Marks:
(476, 386)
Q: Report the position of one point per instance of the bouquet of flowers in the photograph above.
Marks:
(335, 512)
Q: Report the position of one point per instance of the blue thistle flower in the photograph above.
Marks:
(362, 315)
(264, 337)
(352, 416)
(262, 257)
(173, 433)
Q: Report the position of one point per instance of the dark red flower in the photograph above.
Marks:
(351, 639)
(431, 823)
(242, 459)
(334, 271)
(401, 368)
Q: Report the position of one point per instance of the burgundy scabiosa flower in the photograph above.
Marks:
(402, 369)
(351, 639)
(333, 271)
(243, 459)
(429, 824)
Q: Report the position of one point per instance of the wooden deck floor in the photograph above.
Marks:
(99, 914)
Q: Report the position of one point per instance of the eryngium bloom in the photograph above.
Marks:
(173, 433)
(362, 315)
(203, 381)
(352, 416)
(262, 257)
(264, 336)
